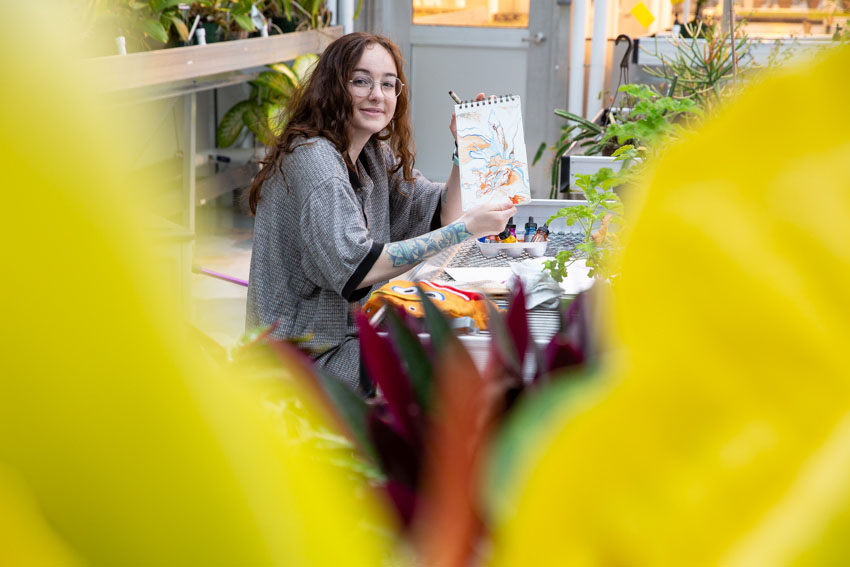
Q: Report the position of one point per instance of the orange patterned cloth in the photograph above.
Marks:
(452, 301)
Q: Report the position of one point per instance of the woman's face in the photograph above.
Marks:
(372, 109)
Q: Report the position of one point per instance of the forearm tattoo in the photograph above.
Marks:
(413, 250)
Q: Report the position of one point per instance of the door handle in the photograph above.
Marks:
(537, 38)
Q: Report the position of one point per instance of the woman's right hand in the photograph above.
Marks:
(488, 218)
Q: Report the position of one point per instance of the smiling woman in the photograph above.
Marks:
(339, 206)
(373, 107)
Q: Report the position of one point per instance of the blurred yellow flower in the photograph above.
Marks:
(118, 445)
(721, 434)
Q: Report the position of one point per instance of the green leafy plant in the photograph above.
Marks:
(145, 24)
(241, 10)
(262, 112)
(580, 135)
(579, 132)
(639, 133)
(705, 69)
(210, 12)
(650, 119)
(240, 22)
(309, 14)
(598, 220)
(151, 24)
(236, 18)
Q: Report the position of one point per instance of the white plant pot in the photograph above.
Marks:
(649, 50)
(583, 165)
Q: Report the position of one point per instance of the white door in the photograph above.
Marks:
(469, 46)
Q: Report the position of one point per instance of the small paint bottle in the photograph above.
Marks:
(511, 226)
(506, 237)
(530, 229)
(542, 234)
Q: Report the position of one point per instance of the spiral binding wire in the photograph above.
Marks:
(487, 101)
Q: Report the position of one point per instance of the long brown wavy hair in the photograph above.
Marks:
(322, 106)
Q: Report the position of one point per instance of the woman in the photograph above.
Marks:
(339, 207)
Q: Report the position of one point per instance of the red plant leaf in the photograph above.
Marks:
(415, 324)
(448, 521)
(400, 460)
(404, 500)
(561, 353)
(575, 324)
(386, 370)
(511, 340)
(502, 359)
(417, 362)
(517, 323)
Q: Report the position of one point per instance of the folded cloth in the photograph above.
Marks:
(540, 289)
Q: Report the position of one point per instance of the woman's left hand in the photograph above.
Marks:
(453, 123)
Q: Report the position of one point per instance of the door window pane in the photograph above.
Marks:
(477, 13)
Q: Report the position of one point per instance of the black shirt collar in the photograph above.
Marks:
(354, 178)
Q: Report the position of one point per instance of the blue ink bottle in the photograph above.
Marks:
(530, 229)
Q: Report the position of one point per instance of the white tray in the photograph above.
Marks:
(512, 249)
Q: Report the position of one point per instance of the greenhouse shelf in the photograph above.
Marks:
(181, 73)
(151, 68)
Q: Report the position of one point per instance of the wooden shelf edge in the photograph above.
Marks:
(150, 68)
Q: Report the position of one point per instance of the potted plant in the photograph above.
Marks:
(586, 146)
(213, 18)
(261, 112)
(697, 74)
(145, 24)
(299, 15)
(279, 15)
(226, 19)
(639, 134)
(599, 220)
(704, 68)
(435, 412)
(239, 19)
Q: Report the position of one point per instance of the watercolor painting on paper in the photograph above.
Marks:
(491, 150)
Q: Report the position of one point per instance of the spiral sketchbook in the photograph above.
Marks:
(491, 150)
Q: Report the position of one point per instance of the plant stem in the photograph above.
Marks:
(732, 42)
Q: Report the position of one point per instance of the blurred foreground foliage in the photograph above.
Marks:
(423, 439)
(721, 431)
(717, 429)
(119, 444)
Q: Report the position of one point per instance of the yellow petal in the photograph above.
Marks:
(719, 434)
(135, 450)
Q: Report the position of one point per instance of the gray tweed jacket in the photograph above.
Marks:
(319, 229)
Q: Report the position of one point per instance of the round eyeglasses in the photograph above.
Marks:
(362, 85)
